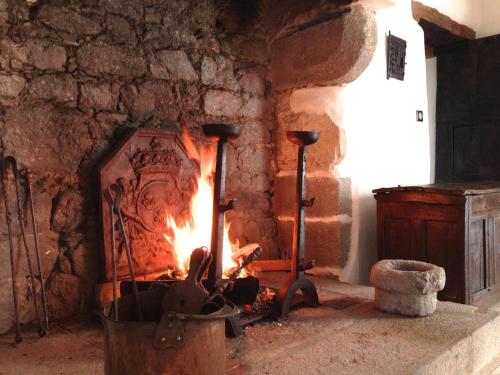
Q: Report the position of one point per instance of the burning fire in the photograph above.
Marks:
(196, 231)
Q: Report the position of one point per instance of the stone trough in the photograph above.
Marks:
(407, 287)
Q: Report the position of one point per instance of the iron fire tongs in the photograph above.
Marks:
(5, 164)
(114, 198)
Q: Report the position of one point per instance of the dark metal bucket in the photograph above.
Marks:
(178, 345)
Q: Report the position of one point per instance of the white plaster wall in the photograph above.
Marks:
(431, 69)
(385, 145)
(489, 18)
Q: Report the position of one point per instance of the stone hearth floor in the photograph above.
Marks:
(345, 335)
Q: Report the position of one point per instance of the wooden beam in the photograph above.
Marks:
(432, 15)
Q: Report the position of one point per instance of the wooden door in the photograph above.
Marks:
(468, 111)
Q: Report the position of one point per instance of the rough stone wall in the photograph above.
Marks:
(75, 75)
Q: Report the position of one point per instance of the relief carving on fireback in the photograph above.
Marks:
(157, 179)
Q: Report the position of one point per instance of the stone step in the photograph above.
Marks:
(348, 335)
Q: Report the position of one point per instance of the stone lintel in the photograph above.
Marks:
(332, 52)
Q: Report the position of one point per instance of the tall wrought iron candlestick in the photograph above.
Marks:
(297, 280)
(222, 133)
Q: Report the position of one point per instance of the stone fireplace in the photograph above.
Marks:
(76, 77)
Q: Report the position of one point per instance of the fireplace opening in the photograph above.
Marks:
(163, 212)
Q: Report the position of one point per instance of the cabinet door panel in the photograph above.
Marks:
(397, 234)
(496, 248)
(444, 245)
(477, 252)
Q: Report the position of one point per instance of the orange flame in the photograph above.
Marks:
(196, 231)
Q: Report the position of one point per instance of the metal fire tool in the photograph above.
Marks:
(37, 249)
(8, 219)
(227, 283)
(116, 205)
(10, 160)
(222, 133)
(111, 203)
(297, 279)
(188, 296)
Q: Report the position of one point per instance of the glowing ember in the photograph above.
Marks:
(196, 230)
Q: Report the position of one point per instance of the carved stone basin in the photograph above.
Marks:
(406, 287)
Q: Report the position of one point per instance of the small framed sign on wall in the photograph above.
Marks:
(396, 54)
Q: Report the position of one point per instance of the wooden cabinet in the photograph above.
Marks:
(455, 226)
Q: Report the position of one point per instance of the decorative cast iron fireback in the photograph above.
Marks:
(157, 178)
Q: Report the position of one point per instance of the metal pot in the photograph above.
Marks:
(178, 344)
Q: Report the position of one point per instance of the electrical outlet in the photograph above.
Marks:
(420, 116)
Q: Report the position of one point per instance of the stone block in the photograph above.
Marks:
(13, 54)
(332, 52)
(251, 201)
(45, 55)
(10, 89)
(322, 241)
(151, 99)
(222, 103)
(40, 138)
(253, 108)
(42, 202)
(7, 303)
(60, 88)
(64, 294)
(67, 20)
(238, 181)
(252, 83)
(324, 188)
(261, 182)
(255, 160)
(322, 155)
(255, 132)
(218, 73)
(49, 250)
(111, 118)
(67, 213)
(127, 8)
(172, 65)
(251, 232)
(84, 259)
(99, 96)
(63, 264)
(98, 58)
(120, 30)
